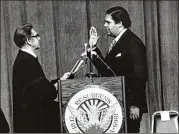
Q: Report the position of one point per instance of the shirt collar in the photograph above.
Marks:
(120, 34)
(30, 52)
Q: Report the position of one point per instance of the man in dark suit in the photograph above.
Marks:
(34, 108)
(126, 57)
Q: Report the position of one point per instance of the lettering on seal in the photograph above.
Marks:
(93, 110)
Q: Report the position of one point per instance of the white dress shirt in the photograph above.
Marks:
(113, 43)
(30, 52)
(119, 35)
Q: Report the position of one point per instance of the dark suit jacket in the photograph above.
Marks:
(127, 58)
(32, 92)
(4, 126)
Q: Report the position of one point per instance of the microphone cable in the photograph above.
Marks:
(108, 67)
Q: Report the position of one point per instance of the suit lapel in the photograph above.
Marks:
(119, 47)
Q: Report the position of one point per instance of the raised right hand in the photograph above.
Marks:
(93, 37)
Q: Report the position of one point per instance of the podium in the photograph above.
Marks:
(68, 88)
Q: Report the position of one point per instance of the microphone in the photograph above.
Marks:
(91, 48)
(79, 62)
(77, 65)
(85, 52)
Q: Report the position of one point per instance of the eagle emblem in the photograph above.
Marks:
(94, 117)
(93, 112)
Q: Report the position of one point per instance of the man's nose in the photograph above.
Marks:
(105, 24)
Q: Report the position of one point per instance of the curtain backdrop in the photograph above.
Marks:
(64, 27)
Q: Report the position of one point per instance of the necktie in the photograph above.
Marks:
(111, 45)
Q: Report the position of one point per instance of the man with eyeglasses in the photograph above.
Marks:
(34, 108)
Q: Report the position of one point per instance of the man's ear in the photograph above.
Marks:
(119, 24)
(28, 42)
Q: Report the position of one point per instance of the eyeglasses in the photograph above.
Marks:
(35, 36)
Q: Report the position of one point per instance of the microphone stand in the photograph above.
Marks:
(90, 74)
(80, 62)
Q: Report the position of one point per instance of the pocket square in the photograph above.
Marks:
(118, 55)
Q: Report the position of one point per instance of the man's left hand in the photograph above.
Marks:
(134, 112)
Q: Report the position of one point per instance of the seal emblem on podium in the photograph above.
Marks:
(93, 110)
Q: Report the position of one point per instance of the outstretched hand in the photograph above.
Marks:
(65, 76)
(134, 112)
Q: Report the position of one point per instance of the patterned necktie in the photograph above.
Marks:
(111, 45)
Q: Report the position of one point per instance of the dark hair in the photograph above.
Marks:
(120, 14)
(22, 33)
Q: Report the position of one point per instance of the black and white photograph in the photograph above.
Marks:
(89, 66)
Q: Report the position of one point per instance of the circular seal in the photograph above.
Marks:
(93, 110)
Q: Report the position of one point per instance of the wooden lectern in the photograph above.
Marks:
(69, 87)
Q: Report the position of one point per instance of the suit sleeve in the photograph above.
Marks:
(41, 89)
(137, 80)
